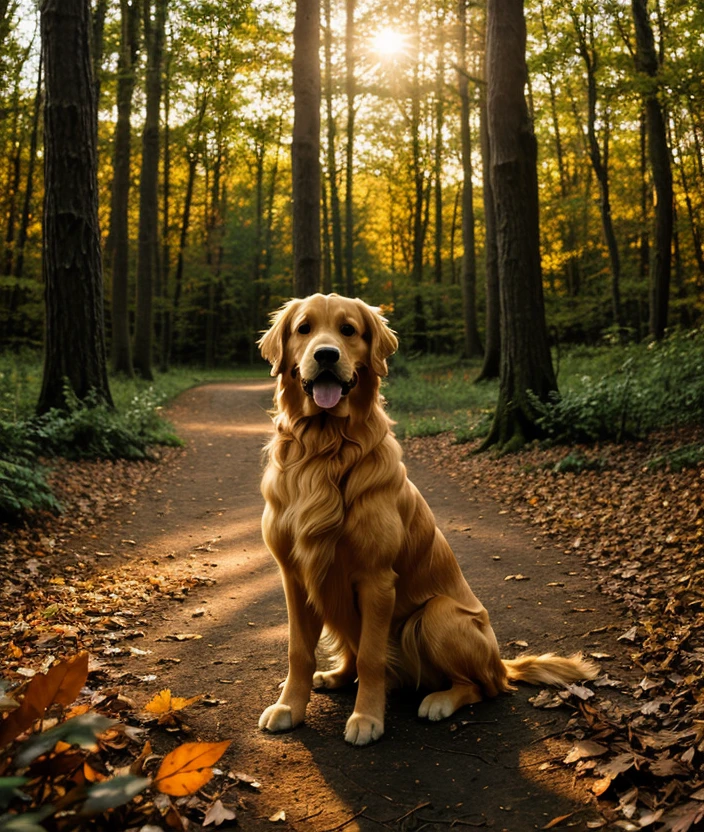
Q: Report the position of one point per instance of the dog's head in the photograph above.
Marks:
(330, 349)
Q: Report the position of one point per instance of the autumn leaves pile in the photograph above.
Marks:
(72, 764)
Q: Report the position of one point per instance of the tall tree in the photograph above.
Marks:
(351, 94)
(586, 43)
(472, 344)
(154, 24)
(648, 64)
(305, 148)
(331, 155)
(492, 336)
(526, 365)
(74, 340)
(118, 239)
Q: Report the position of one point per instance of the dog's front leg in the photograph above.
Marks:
(304, 628)
(376, 595)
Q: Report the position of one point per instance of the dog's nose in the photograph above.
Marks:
(327, 355)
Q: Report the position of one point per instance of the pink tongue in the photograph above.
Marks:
(327, 394)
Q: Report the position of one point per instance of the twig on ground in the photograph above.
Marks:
(463, 753)
(346, 822)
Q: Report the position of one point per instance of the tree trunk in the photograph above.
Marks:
(305, 148)
(165, 311)
(648, 64)
(147, 259)
(351, 92)
(74, 335)
(492, 353)
(472, 344)
(29, 190)
(335, 218)
(118, 238)
(420, 338)
(600, 164)
(526, 364)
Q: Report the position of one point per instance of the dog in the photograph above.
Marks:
(357, 545)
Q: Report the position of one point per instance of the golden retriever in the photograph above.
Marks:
(357, 544)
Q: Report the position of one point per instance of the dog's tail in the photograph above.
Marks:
(550, 669)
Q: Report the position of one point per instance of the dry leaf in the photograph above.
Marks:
(278, 817)
(164, 702)
(556, 821)
(218, 813)
(188, 767)
(585, 748)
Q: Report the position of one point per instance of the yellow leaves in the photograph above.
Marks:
(164, 703)
(188, 767)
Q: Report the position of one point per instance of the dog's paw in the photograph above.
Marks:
(331, 679)
(277, 718)
(362, 729)
(436, 706)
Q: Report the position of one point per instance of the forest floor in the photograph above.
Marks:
(159, 571)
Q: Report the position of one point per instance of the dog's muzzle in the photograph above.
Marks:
(326, 389)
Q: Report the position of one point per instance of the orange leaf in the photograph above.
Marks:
(164, 702)
(188, 767)
(61, 684)
(91, 775)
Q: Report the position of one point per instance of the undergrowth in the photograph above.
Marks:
(84, 430)
(610, 392)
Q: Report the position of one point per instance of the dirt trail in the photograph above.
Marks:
(490, 765)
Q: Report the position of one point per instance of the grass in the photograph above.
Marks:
(606, 392)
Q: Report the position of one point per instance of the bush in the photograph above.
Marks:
(656, 386)
(23, 486)
(90, 429)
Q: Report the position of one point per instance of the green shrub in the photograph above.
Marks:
(23, 486)
(89, 429)
(688, 456)
(575, 463)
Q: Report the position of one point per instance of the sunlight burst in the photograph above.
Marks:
(387, 42)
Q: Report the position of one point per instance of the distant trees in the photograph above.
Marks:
(74, 345)
(408, 217)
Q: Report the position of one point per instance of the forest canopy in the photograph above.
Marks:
(398, 80)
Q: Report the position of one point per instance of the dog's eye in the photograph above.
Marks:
(347, 329)
(304, 329)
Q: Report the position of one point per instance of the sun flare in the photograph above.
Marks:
(388, 42)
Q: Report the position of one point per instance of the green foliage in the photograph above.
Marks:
(23, 486)
(89, 429)
(688, 456)
(575, 463)
(656, 385)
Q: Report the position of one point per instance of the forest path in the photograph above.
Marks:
(490, 765)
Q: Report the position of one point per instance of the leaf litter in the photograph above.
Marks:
(640, 532)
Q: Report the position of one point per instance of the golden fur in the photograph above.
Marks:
(357, 544)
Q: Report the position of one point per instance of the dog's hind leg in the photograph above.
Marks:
(448, 640)
(344, 672)
(443, 703)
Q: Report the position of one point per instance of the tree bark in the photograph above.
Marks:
(335, 218)
(648, 64)
(118, 238)
(526, 364)
(147, 259)
(600, 163)
(29, 189)
(305, 148)
(492, 336)
(351, 92)
(468, 281)
(75, 334)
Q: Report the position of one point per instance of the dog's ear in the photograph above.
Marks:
(272, 344)
(382, 341)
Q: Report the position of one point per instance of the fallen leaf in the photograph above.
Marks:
(164, 702)
(556, 821)
(585, 748)
(278, 817)
(218, 813)
(188, 767)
